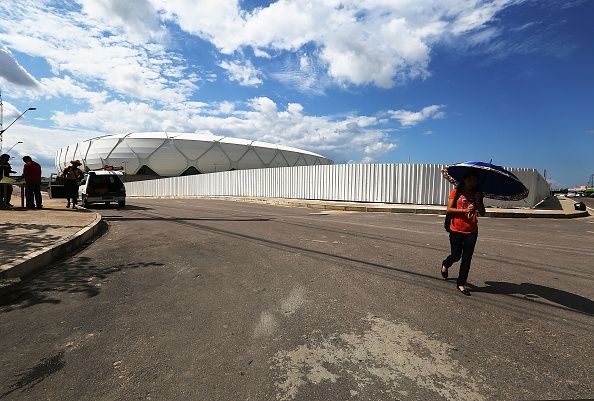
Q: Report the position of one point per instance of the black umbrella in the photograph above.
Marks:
(494, 181)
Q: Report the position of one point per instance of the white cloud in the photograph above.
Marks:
(226, 107)
(137, 18)
(243, 72)
(13, 72)
(261, 118)
(10, 111)
(380, 42)
(306, 75)
(360, 42)
(261, 53)
(40, 143)
(375, 150)
(408, 118)
(86, 47)
(119, 116)
(68, 88)
(60, 87)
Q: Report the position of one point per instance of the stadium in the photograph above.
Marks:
(163, 154)
(245, 168)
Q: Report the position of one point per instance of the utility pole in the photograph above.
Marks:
(1, 121)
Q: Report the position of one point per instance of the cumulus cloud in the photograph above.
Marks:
(243, 72)
(138, 18)
(41, 143)
(120, 115)
(13, 72)
(306, 75)
(64, 87)
(68, 88)
(88, 48)
(261, 118)
(10, 111)
(380, 42)
(360, 42)
(408, 118)
(374, 150)
(226, 107)
(261, 53)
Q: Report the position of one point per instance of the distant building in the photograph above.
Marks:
(579, 188)
(162, 154)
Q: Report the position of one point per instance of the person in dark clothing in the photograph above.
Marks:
(464, 203)
(5, 189)
(72, 176)
(32, 176)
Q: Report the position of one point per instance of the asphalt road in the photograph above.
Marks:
(588, 201)
(215, 300)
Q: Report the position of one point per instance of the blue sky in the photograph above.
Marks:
(436, 81)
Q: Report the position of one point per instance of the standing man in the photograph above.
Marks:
(5, 189)
(32, 175)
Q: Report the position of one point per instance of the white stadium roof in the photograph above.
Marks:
(173, 154)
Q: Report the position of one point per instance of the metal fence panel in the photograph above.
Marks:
(382, 183)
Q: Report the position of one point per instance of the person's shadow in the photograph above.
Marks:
(560, 297)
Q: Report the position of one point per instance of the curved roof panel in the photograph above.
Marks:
(173, 153)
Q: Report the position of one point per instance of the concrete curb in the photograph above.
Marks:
(49, 254)
(375, 208)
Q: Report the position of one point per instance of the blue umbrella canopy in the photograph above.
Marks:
(494, 181)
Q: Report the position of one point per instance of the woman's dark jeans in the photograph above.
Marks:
(462, 248)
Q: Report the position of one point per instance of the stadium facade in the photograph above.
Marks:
(163, 154)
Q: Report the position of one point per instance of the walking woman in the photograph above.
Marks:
(464, 203)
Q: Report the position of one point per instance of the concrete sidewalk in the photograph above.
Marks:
(565, 209)
(31, 239)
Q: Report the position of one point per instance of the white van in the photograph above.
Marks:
(102, 187)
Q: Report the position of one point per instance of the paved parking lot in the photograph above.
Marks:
(215, 300)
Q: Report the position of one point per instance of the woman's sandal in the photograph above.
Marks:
(444, 274)
(463, 291)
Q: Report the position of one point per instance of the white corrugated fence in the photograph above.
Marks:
(420, 184)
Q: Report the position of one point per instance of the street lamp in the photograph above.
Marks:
(8, 151)
(10, 125)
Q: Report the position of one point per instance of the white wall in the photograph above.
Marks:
(420, 184)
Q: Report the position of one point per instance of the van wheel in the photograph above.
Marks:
(122, 203)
